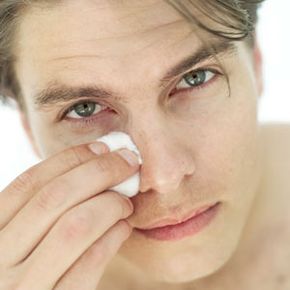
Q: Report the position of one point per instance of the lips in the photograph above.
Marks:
(177, 220)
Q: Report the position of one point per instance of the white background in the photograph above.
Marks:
(16, 154)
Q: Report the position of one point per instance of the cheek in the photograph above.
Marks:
(48, 138)
(228, 146)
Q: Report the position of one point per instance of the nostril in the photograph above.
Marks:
(161, 186)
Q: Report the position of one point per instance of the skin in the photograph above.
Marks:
(55, 212)
(198, 146)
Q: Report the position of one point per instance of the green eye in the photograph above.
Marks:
(195, 79)
(83, 110)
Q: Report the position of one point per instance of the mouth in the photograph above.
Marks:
(176, 229)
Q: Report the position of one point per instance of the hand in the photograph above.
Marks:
(59, 228)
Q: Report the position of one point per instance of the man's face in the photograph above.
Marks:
(196, 133)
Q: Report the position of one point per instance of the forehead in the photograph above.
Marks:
(95, 34)
(72, 39)
(71, 26)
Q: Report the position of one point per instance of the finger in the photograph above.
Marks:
(58, 196)
(72, 235)
(21, 190)
(87, 271)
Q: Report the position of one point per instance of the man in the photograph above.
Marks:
(182, 78)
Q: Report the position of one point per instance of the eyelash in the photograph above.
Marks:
(86, 121)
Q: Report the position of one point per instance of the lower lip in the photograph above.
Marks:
(188, 228)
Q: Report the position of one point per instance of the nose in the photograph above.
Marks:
(166, 160)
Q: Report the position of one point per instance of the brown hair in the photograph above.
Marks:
(236, 20)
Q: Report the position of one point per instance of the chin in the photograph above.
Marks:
(186, 268)
(186, 260)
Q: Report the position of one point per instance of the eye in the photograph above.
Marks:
(83, 110)
(195, 79)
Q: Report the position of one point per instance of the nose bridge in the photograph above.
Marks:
(166, 161)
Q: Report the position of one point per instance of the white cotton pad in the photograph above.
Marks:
(117, 140)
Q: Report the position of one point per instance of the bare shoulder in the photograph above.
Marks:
(276, 136)
(276, 179)
(263, 258)
(270, 250)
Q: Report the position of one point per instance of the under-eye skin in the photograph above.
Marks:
(89, 111)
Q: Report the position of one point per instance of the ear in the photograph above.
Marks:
(258, 67)
(27, 128)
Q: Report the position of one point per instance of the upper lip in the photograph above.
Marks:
(177, 220)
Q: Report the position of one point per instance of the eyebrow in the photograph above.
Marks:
(55, 92)
(205, 52)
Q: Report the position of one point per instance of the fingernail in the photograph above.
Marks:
(129, 156)
(98, 148)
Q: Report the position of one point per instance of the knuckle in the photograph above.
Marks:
(51, 196)
(72, 156)
(107, 167)
(11, 279)
(102, 164)
(24, 181)
(76, 224)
